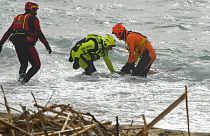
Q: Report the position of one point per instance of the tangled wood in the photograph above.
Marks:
(63, 120)
(55, 120)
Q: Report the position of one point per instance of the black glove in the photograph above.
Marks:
(48, 48)
(76, 63)
(0, 48)
(127, 67)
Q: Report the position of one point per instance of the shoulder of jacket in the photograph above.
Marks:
(130, 36)
(18, 15)
(33, 17)
(88, 42)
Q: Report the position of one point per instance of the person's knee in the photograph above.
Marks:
(25, 64)
(139, 73)
(90, 69)
(36, 67)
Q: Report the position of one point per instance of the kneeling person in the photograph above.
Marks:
(90, 49)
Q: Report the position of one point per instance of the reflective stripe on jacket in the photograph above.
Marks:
(23, 24)
(93, 47)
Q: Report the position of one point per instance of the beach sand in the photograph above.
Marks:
(166, 132)
(161, 132)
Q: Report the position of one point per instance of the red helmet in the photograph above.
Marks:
(118, 30)
(31, 6)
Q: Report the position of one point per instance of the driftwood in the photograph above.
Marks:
(145, 130)
(14, 127)
(165, 112)
(8, 110)
(56, 120)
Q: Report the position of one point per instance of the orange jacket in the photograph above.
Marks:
(137, 44)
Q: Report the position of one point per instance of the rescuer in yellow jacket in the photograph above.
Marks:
(90, 49)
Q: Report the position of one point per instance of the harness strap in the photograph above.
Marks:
(142, 44)
(19, 17)
(24, 21)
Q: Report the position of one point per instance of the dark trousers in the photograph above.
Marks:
(143, 66)
(25, 55)
(90, 68)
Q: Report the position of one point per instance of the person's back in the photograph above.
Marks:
(23, 30)
(140, 43)
(23, 33)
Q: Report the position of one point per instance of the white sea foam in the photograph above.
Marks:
(179, 31)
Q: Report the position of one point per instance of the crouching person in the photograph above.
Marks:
(90, 49)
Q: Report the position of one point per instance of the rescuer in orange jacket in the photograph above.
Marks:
(140, 51)
(24, 33)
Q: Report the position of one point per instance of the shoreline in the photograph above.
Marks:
(166, 132)
(132, 129)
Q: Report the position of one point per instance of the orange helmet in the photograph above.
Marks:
(118, 30)
(31, 6)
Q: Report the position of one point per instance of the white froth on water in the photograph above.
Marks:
(179, 31)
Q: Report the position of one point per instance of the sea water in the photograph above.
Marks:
(179, 31)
